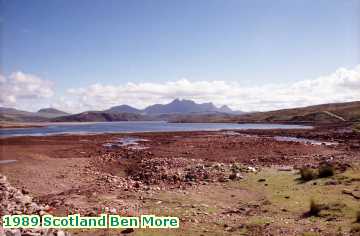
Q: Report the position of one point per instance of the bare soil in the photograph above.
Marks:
(189, 173)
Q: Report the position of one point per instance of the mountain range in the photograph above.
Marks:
(176, 106)
(189, 111)
(117, 113)
(15, 115)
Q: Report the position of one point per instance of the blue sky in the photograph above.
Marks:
(75, 44)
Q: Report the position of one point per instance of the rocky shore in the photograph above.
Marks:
(17, 202)
(239, 181)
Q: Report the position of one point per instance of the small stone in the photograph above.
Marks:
(24, 191)
(331, 182)
(127, 231)
(285, 168)
(60, 233)
(346, 191)
(223, 179)
(41, 213)
(13, 232)
(236, 176)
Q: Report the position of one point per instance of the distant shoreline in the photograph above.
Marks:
(22, 125)
(15, 125)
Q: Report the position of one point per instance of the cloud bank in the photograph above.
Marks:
(340, 86)
(20, 90)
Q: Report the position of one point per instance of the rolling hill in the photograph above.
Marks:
(189, 111)
(15, 115)
(99, 116)
(123, 108)
(324, 113)
(51, 112)
(177, 111)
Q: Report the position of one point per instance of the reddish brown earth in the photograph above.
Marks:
(56, 160)
(48, 157)
(79, 172)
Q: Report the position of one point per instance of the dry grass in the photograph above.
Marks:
(357, 217)
(315, 208)
(307, 174)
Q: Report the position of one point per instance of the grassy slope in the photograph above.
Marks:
(279, 202)
(325, 113)
(282, 200)
(335, 112)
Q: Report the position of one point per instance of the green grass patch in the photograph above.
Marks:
(310, 234)
(258, 220)
(284, 192)
(356, 127)
(307, 174)
(326, 170)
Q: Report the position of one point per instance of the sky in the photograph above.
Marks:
(251, 55)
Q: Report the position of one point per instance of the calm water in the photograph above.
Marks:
(130, 126)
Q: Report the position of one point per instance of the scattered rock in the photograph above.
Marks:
(14, 201)
(331, 182)
(236, 176)
(285, 168)
(127, 231)
(252, 169)
(351, 193)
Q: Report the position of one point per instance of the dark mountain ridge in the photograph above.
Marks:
(123, 108)
(181, 106)
(189, 111)
(15, 115)
(117, 113)
(176, 106)
(100, 116)
(51, 112)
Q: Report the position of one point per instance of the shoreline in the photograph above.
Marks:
(80, 173)
(15, 125)
(126, 127)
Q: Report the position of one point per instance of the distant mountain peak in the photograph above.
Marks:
(225, 108)
(177, 105)
(182, 106)
(176, 100)
(123, 109)
(51, 110)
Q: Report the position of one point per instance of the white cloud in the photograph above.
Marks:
(30, 92)
(20, 89)
(342, 85)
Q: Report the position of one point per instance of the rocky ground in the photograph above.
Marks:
(16, 202)
(218, 183)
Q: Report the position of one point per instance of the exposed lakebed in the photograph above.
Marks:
(129, 142)
(303, 140)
